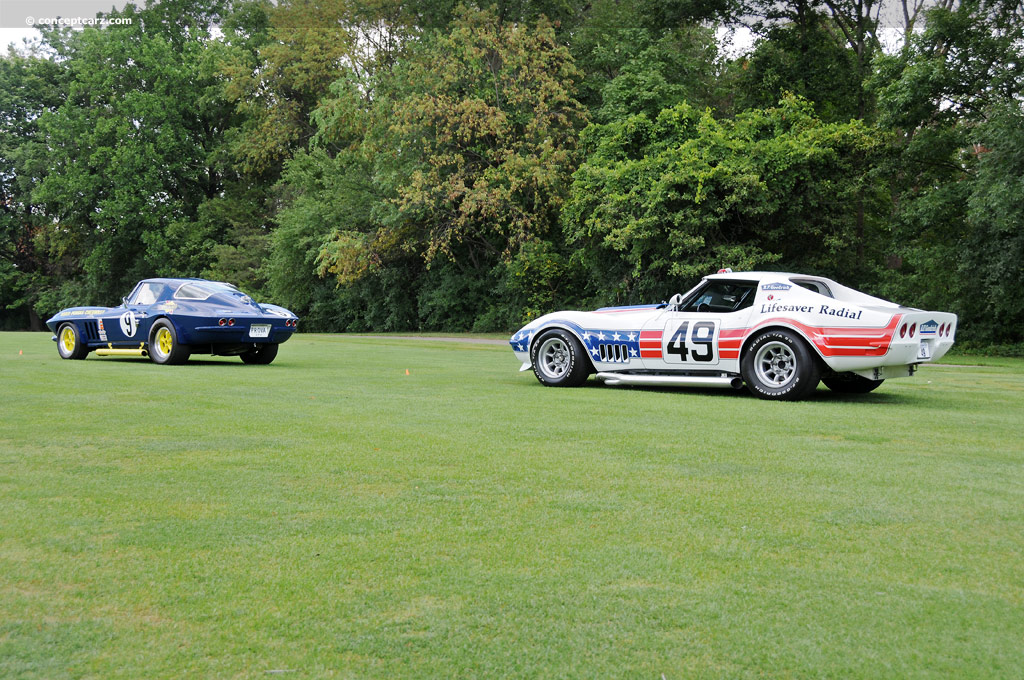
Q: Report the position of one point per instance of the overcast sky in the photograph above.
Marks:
(15, 15)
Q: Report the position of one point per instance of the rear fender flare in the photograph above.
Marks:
(776, 326)
(182, 336)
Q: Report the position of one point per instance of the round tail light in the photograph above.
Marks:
(913, 327)
(221, 322)
(903, 330)
(231, 322)
(942, 330)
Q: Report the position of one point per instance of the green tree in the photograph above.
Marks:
(952, 95)
(667, 44)
(29, 87)
(134, 150)
(491, 118)
(658, 203)
(804, 58)
(682, 65)
(992, 251)
(472, 144)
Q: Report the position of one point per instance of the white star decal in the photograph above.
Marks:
(632, 352)
(586, 336)
(594, 351)
(632, 337)
(520, 347)
(600, 336)
(617, 337)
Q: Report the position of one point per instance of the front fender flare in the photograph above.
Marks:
(557, 324)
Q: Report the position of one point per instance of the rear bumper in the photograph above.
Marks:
(888, 372)
(234, 335)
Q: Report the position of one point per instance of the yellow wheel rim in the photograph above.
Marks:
(164, 341)
(67, 338)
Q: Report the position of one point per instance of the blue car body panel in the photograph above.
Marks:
(208, 316)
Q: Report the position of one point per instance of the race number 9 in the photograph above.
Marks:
(693, 342)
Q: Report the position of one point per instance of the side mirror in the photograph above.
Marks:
(674, 302)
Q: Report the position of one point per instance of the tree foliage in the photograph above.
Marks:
(488, 112)
(132, 154)
(660, 202)
(426, 164)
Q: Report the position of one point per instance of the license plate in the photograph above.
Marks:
(262, 331)
(924, 350)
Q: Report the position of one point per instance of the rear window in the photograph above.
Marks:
(201, 290)
(191, 291)
(813, 286)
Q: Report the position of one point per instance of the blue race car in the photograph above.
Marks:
(171, 319)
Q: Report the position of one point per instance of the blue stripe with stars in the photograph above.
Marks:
(590, 338)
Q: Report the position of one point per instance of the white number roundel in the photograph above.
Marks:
(129, 324)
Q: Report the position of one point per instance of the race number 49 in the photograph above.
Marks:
(693, 342)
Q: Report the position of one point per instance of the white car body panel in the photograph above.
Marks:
(849, 330)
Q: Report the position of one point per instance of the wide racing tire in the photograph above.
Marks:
(779, 365)
(164, 347)
(69, 342)
(260, 354)
(850, 383)
(559, 360)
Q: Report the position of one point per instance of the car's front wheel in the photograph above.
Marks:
(260, 354)
(778, 364)
(559, 360)
(850, 383)
(164, 347)
(69, 342)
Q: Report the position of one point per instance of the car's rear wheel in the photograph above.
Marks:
(850, 383)
(164, 347)
(260, 354)
(778, 364)
(69, 342)
(558, 360)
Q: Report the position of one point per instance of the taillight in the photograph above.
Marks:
(231, 322)
(903, 330)
(949, 329)
(221, 322)
(942, 330)
(913, 327)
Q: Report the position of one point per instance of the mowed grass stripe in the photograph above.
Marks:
(332, 516)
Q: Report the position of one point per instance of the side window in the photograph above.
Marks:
(147, 294)
(722, 297)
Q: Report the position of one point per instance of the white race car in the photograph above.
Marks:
(778, 333)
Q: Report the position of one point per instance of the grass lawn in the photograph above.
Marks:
(331, 516)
